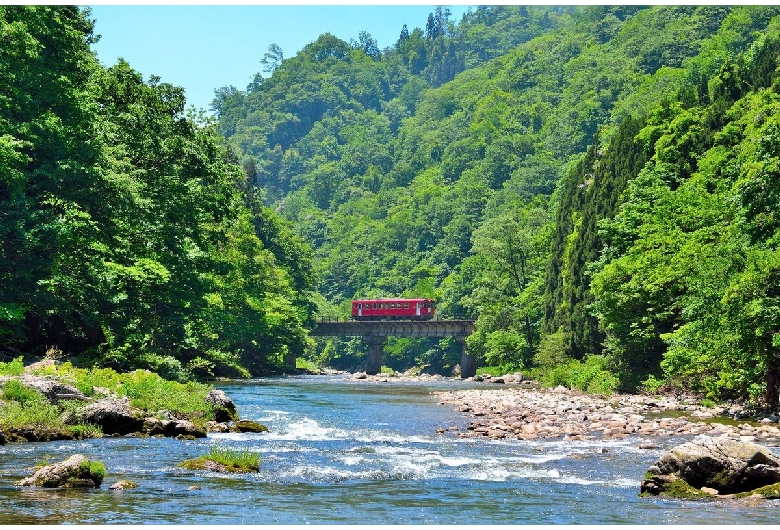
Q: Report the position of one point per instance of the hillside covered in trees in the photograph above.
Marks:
(597, 186)
(130, 238)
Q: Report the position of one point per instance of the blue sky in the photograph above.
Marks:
(204, 47)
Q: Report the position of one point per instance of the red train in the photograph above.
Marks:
(394, 309)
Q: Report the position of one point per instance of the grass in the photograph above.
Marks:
(94, 469)
(233, 460)
(39, 414)
(13, 390)
(305, 364)
(15, 367)
(85, 430)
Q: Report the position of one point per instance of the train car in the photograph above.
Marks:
(394, 309)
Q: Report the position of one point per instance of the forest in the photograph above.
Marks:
(595, 185)
(131, 238)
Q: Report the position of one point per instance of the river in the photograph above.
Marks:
(344, 452)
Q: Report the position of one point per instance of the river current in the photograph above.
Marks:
(344, 452)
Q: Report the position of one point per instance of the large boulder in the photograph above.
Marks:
(53, 389)
(224, 408)
(714, 466)
(75, 472)
(172, 428)
(115, 416)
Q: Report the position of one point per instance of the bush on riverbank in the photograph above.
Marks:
(590, 375)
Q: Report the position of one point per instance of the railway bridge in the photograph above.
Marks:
(375, 332)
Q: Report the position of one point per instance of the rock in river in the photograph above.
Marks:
(708, 465)
(75, 472)
(250, 426)
(224, 408)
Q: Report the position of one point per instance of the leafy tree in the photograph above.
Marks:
(50, 193)
(272, 58)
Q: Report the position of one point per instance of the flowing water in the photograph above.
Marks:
(343, 452)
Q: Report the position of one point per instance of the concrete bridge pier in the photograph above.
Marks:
(374, 361)
(468, 362)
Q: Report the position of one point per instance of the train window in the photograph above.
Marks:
(406, 305)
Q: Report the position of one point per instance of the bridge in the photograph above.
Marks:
(375, 332)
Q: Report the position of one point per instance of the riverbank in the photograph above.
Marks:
(512, 407)
(48, 401)
(535, 413)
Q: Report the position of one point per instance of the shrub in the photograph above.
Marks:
(13, 390)
(589, 375)
(497, 371)
(651, 384)
(100, 377)
(15, 367)
(166, 366)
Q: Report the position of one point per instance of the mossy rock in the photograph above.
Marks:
(203, 464)
(75, 472)
(768, 492)
(123, 485)
(670, 486)
(42, 434)
(250, 426)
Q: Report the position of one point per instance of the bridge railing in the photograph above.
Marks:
(437, 318)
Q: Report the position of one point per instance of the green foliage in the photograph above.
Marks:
(306, 365)
(688, 281)
(32, 414)
(14, 367)
(497, 371)
(129, 232)
(13, 390)
(93, 469)
(651, 385)
(591, 374)
(235, 460)
(148, 391)
(25, 408)
(485, 163)
(582, 181)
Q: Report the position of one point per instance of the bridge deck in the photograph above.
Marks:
(395, 328)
